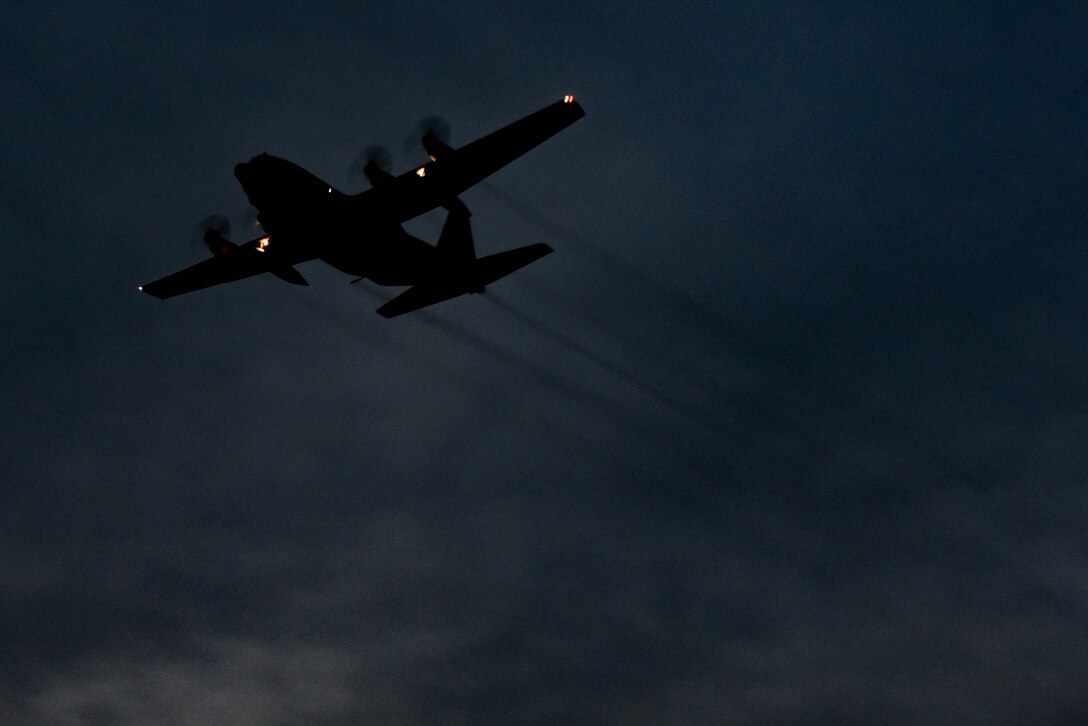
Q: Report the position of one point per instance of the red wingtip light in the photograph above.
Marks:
(568, 99)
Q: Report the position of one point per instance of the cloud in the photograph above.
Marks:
(212, 679)
(849, 240)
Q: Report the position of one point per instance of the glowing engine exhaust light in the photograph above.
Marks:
(421, 171)
(568, 99)
(262, 244)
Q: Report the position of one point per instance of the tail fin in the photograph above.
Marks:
(455, 242)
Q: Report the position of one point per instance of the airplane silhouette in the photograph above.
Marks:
(304, 218)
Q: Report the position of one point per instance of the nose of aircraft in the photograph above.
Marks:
(242, 172)
(247, 170)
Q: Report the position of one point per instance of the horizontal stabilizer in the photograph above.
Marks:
(501, 264)
(418, 297)
(482, 272)
(289, 274)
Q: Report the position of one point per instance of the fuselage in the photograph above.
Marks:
(306, 218)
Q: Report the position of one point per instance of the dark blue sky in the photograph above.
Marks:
(790, 429)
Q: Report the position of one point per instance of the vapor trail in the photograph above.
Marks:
(759, 354)
(678, 297)
(609, 366)
(431, 364)
(489, 348)
(587, 396)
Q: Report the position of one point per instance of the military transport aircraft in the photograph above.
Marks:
(303, 218)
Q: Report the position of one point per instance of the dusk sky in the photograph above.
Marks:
(792, 427)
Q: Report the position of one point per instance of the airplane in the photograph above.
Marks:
(304, 218)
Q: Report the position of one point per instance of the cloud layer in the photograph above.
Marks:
(790, 429)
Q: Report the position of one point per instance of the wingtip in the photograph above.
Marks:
(575, 107)
(149, 289)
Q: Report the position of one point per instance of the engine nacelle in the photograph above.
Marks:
(436, 148)
(217, 243)
(376, 175)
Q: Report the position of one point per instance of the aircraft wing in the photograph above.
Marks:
(483, 157)
(452, 171)
(213, 271)
(240, 262)
(483, 271)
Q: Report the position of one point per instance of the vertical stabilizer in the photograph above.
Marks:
(455, 243)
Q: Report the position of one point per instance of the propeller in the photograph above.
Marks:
(212, 232)
(432, 126)
(373, 159)
(253, 222)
